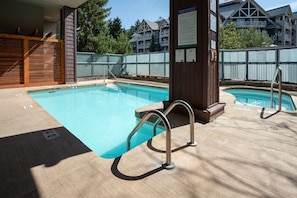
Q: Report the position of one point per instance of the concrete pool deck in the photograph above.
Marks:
(246, 152)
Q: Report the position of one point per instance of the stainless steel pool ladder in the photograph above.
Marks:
(278, 73)
(106, 71)
(191, 118)
(162, 117)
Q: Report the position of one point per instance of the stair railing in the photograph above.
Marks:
(168, 164)
(278, 73)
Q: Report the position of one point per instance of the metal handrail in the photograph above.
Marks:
(106, 68)
(175, 103)
(278, 73)
(168, 164)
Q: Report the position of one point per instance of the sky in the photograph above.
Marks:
(131, 10)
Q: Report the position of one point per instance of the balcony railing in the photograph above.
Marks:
(243, 24)
(164, 34)
(164, 43)
(144, 37)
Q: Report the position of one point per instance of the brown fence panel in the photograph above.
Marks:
(44, 62)
(30, 61)
(11, 62)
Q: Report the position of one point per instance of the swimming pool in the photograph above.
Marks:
(102, 116)
(260, 98)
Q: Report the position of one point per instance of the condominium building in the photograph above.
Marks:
(151, 36)
(280, 23)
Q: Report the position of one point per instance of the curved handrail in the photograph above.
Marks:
(175, 103)
(278, 73)
(166, 123)
(108, 70)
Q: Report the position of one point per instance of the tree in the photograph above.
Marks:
(133, 28)
(115, 27)
(229, 37)
(155, 45)
(122, 45)
(254, 38)
(103, 43)
(96, 35)
(232, 38)
(91, 24)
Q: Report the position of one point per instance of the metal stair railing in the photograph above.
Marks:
(162, 117)
(107, 70)
(278, 73)
(168, 164)
(175, 103)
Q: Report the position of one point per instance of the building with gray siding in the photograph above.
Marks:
(151, 36)
(280, 23)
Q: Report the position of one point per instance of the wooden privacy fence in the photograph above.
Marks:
(30, 61)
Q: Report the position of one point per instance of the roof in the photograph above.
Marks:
(52, 7)
(229, 2)
(161, 20)
(278, 11)
(153, 25)
(54, 3)
(134, 37)
(227, 8)
(295, 15)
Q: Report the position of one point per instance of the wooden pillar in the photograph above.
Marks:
(68, 21)
(194, 66)
(26, 62)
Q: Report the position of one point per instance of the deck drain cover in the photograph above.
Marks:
(50, 134)
(26, 107)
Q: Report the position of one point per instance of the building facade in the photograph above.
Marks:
(151, 36)
(280, 23)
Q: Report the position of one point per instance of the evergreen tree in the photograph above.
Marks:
(91, 24)
(133, 28)
(155, 45)
(229, 37)
(232, 38)
(96, 35)
(115, 27)
(252, 37)
(104, 43)
(122, 45)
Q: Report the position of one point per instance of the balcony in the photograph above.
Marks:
(164, 43)
(145, 37)
(164, 34)
(246, 24)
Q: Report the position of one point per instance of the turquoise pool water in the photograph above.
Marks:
(102, 116)
(261, 98)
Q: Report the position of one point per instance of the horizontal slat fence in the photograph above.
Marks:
(97, 65)
(44, 62)
(243, 65)
(30, 61)
(11, 61)
(258, 65)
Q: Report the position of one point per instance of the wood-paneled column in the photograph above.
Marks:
(194, 65)
(68, 21)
